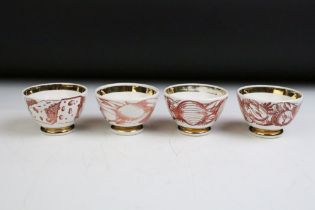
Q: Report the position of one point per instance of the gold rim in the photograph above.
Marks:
(218, 91)
(57, 130)
(264, 132)
(194, 131)
(132, 129)
(275, 90)
(127, 88)
(54, 86)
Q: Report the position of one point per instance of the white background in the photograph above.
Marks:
(92, 168)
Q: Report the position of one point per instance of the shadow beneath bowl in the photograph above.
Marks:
(20, 127)
(237, 128)
(161, 126)
(96, 125)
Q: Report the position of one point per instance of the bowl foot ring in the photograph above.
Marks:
(57, 131)
(266, 133)
(194, 131)
(127, 130)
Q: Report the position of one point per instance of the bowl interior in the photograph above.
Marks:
(270, 93)
(54, 91)
(195, 92)
(126, 92)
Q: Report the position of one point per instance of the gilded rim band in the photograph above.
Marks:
(264, 132)
(149, 90)
(219, 92)
(57, 130)
(194, 131)
(127, 129)
(293, 94)
(55, 86)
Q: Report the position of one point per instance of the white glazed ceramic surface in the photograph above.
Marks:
(196, 107)
(269, 111)
(55, 108)
(126, 108)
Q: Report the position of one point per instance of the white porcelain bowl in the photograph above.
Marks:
(195, 107)
(268, 109)
(127, 106)
(55, 106)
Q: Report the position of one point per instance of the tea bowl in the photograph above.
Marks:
(55, 106)
(268, 109)
(127, 106)
(195, 107)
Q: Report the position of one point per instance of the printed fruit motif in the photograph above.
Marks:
(126, 113)
(266, 114)
(56, 111)
(194, 113)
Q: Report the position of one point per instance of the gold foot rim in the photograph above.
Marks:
(57, 131)
(127, 130)
(265, 133)
(194, 131)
